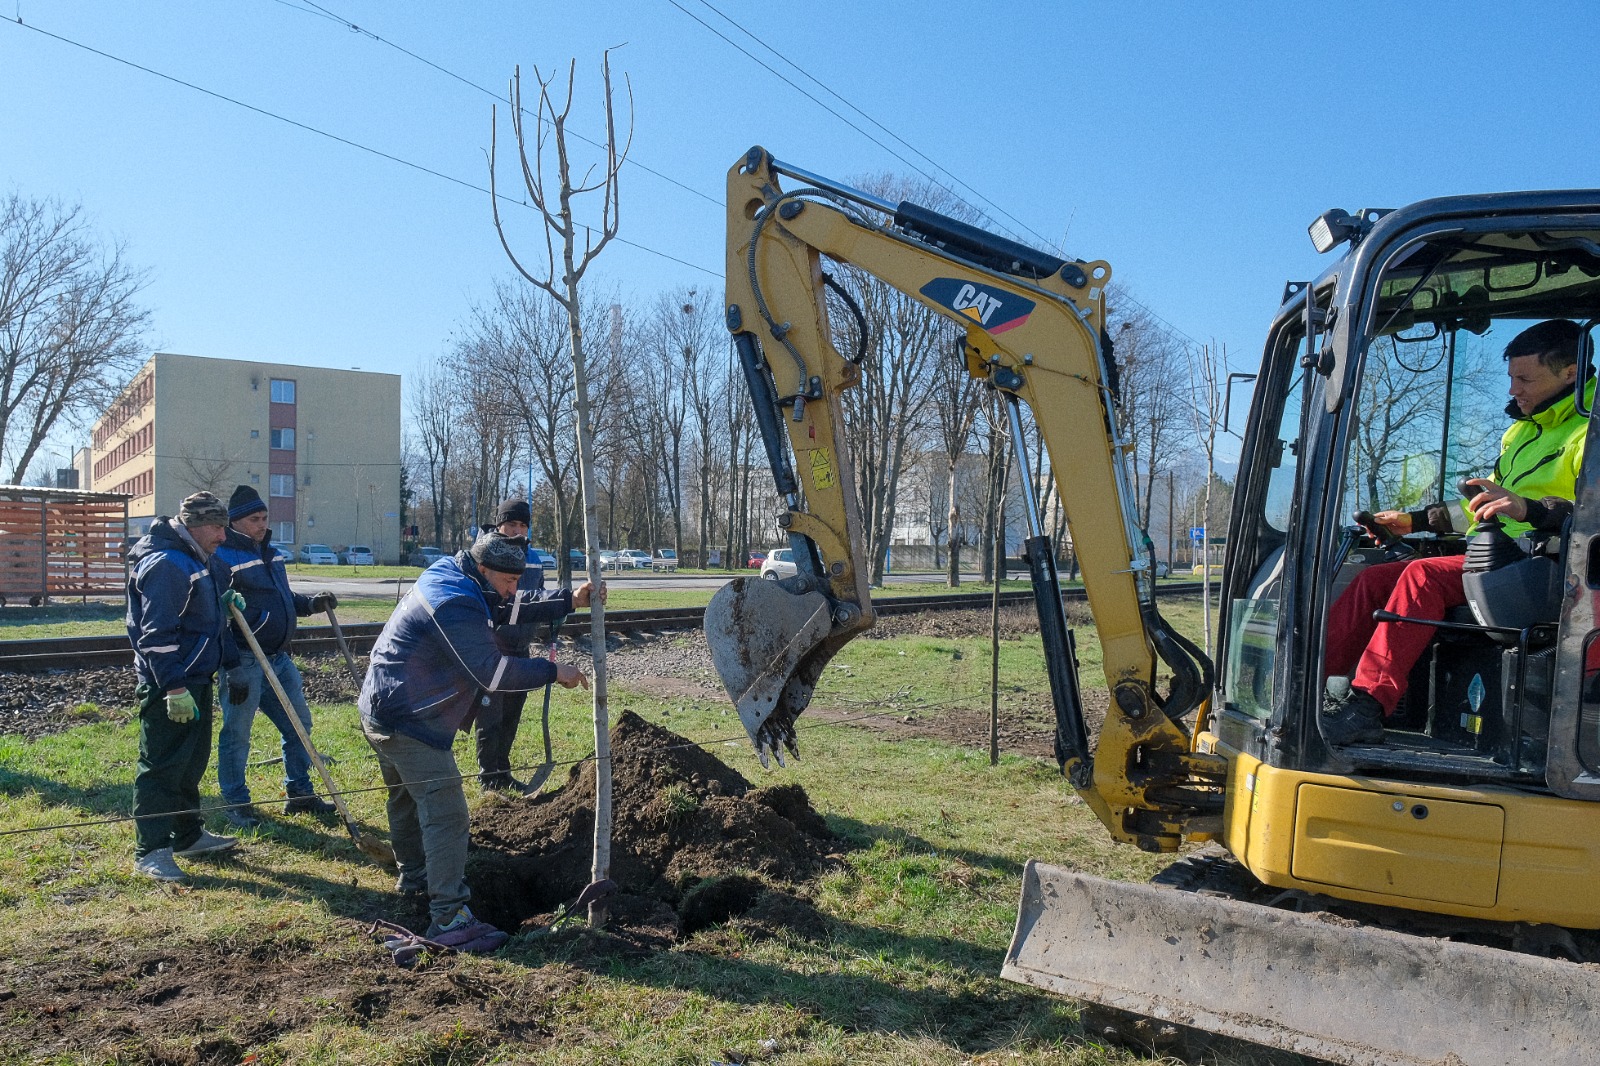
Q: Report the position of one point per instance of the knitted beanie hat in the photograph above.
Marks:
(244, 501)
(202, 509)
(492, 551)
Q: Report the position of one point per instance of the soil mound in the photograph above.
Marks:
(693, 843)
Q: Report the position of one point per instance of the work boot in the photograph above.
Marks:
(499, 783)
(206, 843)
(242, 817)
(466, 933)
(1356, 718)
(307, 805)
(411, 889)
(159, 865)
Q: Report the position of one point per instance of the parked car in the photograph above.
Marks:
(778, 563)
(755, 560)
(665, 559)
(319, 554)
(425, 557)
(1162, 570)
(359, 555)
(577, 559)
(609, 561)
(633, 559)
(543, 559)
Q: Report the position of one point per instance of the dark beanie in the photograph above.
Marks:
(514, 511)
(493, 551)
(244, 501)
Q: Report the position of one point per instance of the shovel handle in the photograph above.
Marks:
(293, 715)
(344, 649)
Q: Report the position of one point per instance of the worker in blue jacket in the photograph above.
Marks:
(255, 569)
(519, 624)
(434, 664)
(175, 609)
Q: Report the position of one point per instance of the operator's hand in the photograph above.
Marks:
(1493, 500)
(323, 601)
(233, 598)
(1396, 522)
(569, 676)
(181, 707)
(583, 596)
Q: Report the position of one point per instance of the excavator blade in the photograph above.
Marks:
(769, 646)
(1300, 982)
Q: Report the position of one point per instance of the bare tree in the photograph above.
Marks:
(957, 396)
(206, 467)
(435, 407)
(1149, 359)
(70, 332)
(561, 228)
(1208, 368)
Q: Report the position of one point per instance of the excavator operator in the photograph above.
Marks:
(1531, 489)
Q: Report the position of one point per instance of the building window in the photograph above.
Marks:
(255, 434)
(283, 533)
(255, 479)
(282, 390)
(282, 485)
(283, 439)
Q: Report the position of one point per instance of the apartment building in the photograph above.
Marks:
(321, 446)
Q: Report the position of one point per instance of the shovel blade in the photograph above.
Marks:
(769, 646)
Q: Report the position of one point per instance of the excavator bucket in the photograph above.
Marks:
(769, 646)
(1304, 983)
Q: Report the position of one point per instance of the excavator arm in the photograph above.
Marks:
(1034, 331)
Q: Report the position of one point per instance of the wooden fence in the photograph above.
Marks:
(60, 543)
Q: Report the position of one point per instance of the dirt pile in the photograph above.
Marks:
(693, 843)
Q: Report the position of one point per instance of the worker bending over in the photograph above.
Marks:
(434, 664)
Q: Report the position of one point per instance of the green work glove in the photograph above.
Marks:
(182, 708)
(233, 598)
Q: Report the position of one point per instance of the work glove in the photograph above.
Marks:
(233, 598)
(323, 601)
(238, 692)
(182, 708)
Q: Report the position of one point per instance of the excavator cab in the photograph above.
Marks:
(1383, 387)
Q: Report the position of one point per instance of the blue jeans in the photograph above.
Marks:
(233, 744)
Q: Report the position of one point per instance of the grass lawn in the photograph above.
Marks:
(919, 912)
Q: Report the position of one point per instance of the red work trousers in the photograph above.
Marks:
(1378, 656)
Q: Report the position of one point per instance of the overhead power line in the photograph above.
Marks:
(317, 10)
(331, 136)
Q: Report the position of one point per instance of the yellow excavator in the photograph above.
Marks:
(1431, 898)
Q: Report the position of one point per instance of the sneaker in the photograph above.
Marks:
(205, 844)
(242, 817)
(464, 932)
(1357, 718)
(307, 805)
(159, 865)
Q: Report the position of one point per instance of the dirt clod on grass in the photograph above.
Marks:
(693, 843)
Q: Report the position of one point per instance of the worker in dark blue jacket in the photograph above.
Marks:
(256, 570)
(175, 608)
(433, 665)
(534, 611)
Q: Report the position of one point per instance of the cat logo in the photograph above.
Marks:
(996, 311)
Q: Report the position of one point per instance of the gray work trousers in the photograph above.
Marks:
(428, 823)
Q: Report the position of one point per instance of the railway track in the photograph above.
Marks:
(75, 653)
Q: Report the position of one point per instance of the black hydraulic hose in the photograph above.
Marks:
(856, 312)
(1193, 674)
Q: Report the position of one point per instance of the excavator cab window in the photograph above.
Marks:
(1429, 410)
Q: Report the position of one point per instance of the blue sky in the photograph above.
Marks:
(1187, 144)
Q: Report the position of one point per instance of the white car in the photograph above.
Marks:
(778, 563)
(319, 554)
(633, 559)
(359, 555)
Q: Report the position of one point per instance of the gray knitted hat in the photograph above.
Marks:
(495, 551)
(202, 509)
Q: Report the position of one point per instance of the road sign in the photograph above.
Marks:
(1197, 533)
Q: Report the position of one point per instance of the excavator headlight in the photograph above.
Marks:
(1332, 228)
